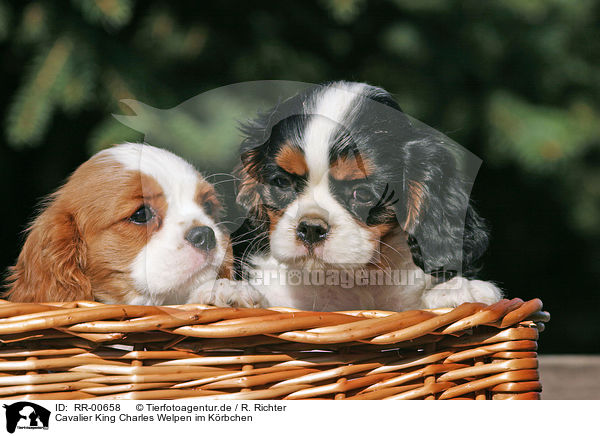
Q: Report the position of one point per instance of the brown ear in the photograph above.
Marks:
(249, 191)
(226, 270)
(248, 196)
(52, 262)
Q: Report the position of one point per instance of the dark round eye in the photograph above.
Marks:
(281, 182)
(143, 215)
(208, 207)
(362, 195)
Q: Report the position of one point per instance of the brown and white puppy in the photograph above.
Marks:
(135, 224)
(338, 182)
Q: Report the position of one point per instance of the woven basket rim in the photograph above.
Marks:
(202, 321)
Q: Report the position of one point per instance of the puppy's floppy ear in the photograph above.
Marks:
(446, 235)
(249, 191)
(256, 134)
(51, 264)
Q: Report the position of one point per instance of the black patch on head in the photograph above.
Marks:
(278, 187)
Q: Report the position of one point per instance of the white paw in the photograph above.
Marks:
(228, 293)
(459, 290)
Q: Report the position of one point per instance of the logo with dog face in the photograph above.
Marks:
(26, 415)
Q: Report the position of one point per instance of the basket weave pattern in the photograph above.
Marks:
(83, 350)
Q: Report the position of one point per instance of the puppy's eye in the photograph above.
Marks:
(209, 207)
(281, 182)
(142, 216)
(362, 195)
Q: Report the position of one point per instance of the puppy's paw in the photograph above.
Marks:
(459, 290)
(228, 293)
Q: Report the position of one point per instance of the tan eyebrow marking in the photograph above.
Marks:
(206, 193)
(291, 159)
(351, 168)
(148, 188)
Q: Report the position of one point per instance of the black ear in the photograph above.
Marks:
(446, 235)
(250, 235)
(252, 160)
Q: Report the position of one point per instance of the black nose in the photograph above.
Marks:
(203, 238)
(312, 231)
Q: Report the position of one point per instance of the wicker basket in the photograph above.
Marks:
(83, 350)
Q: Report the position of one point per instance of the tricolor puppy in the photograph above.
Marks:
(337, 182)
(134, 224)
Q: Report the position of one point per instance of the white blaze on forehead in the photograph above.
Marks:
(330, 108)
(169, 170)
(177, 178)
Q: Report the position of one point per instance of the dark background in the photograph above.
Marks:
(516, 82)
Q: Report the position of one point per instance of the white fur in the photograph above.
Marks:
(459, 290)
(330, 107)
(272, 279)
(225, 292)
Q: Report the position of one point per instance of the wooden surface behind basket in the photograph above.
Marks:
(83, 350)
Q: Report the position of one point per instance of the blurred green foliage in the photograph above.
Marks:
(526, 72)
(514, 81)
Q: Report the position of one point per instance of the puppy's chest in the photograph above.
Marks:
(391, 282)
(336, 298)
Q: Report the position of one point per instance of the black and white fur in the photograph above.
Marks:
(410, 209)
